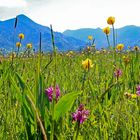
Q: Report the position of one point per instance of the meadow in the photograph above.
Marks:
(88, 95)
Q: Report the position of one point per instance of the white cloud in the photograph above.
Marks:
(73, 14)
(13, 3)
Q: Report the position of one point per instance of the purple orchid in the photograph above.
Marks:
(49, 92)
(80, 115)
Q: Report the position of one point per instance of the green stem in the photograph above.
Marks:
(114, 44)
(77, 131)
(108, 41)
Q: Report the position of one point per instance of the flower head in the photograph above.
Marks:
(18, 44)
(106, 30)
(111, 20)
(126, 59)
(138, 90)
(120, 47)
(21, 36)
(90, 37)
(136, 48)
(117, 73)
(49, 92)
(29, 46)
(87, 64)
(81, 114)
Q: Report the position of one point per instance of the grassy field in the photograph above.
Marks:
(90, 95)
(109, 96)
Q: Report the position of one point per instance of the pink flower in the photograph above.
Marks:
(49, 92)
(80, 115)
(117, 73)
(138, 90)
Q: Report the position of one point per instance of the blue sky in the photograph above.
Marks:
(73, 14)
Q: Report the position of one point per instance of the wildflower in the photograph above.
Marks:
(134, 96)
(18, 44)
(90, 37)
(106, 30)
(81, 114)
(49, 92)
(120, 47)
(87, 64)
(29, 46)
(97, 52)
(126, 59)
(89, 48)
(129, 95)
(111, 20)
(13, 55)
(136, 48)
(70, 53)
(138, 90)
(21, 36)
(104, 51)
(117, 73)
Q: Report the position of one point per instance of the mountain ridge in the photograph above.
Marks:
(129, 35)
(32, 30)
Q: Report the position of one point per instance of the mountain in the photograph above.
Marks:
(31, 30)
(128, 35)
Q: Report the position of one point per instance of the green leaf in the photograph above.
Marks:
(65, 104)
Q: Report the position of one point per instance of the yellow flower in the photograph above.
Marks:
(106, 30)
(136, 48)
(104, 51)
(133, 96)
(90, 37)
(87, 64)
(18, 44)
(111, 20)
(126, 59)
(13, 55)
(29, 46)
(21, 36)
(97, 52)
(120, 47)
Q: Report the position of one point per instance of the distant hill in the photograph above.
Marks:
(129, 35)
(31, 31)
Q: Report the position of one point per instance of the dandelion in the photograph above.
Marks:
(21, 36)
(87, 64)
(18, 44)
(120, 47)
(106, 30)
(81, 114)
(111, 20)
(29, 46)
(49, 92)
(117, 73)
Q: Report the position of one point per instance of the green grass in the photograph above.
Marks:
(23, 102)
